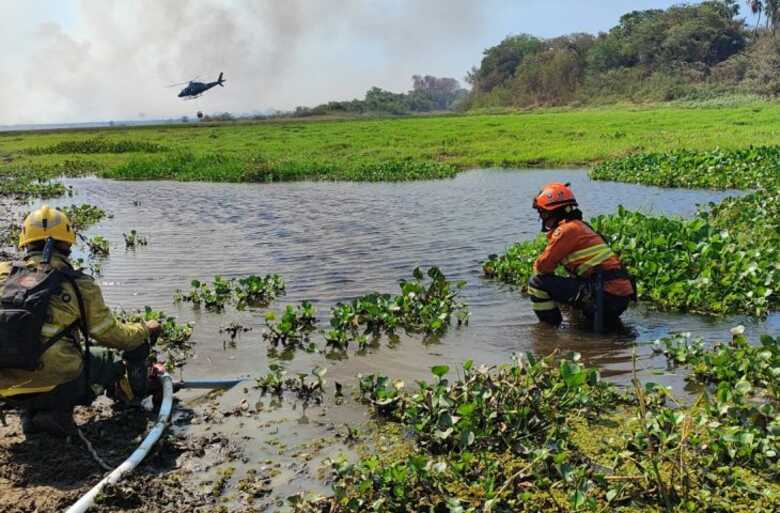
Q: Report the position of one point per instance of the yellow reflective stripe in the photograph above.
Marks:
(544, 305)
(19, 390)
(103, 326)
(584, 253)
(49, 330)
(538, 293)
(594, 261)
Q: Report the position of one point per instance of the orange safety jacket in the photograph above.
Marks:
(581, 251)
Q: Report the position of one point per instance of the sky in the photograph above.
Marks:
(66, 61)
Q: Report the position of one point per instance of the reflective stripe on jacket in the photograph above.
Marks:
(580, 250)
(62, 362)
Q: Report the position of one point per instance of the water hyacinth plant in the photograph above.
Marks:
(548, 435)
(525, 404)
(213, 297)
(173, 345)
(736, 363)
(97, 145)
(134, 239)
(85, 215)
(254, 290)
(293, 327)
(247, 292)
(98, 246)
(305, 388)
(233, 331)
(743, 168)
(426, 304)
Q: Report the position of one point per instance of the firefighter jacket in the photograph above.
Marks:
(581, 251)
(63, 361)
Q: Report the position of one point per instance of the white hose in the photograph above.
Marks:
(88, 499)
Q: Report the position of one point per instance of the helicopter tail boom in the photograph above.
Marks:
(220, 80)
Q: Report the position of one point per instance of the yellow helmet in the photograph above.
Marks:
(44, 223)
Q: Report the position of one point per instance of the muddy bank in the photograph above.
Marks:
(46, 474)
(238, 451)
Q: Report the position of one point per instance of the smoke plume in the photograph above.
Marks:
(112, 58)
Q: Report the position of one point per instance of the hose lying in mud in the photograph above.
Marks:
(88, 499)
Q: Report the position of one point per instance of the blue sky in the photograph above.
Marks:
(69, 60)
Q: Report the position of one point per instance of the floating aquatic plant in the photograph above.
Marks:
(249, 291)
(174, 340)
(291, 329)
(548, 435)
(423, 306)
(134, 239)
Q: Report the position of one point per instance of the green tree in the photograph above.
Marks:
(500, 62)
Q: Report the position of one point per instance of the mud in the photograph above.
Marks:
(41, 473)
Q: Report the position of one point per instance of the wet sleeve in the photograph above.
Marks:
(103, 326)
(558, 246)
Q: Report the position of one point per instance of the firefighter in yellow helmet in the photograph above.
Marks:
(48, 313)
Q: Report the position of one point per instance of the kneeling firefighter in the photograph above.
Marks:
(599, 285)
(48, 313)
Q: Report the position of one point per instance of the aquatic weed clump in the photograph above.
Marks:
(293, 327)
(25, 182)
(98, 246)
(725, 260)
(547, 435)
(97, 145)
(397, 170)
(173, 344)
(425, 305)
(257, 290)
(517, 407)
(134, 239)
(85, 215)
(737, 363)
(744, 168)
(702, 265)
(516, 265)
(305, 388)
(245, 292)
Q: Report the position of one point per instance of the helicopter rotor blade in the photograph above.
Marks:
(185, 82)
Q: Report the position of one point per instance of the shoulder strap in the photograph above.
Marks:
(56, 338)
(82, 321)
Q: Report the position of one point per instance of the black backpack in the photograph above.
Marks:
(24, 306)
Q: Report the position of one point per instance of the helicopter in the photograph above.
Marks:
(195, 89)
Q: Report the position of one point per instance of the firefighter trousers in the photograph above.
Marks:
(547, 290)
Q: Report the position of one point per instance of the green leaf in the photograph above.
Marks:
(440, 370)
(577, 499)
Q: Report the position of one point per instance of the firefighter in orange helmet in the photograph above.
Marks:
(599, 285)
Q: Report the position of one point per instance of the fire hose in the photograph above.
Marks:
(163, 416)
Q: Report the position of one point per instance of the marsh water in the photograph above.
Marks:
(334, 241)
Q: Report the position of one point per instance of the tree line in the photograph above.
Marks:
(686, 51)
(428, 94)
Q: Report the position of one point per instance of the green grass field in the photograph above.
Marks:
(388, 149)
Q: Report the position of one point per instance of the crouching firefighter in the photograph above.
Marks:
(48, 313)
(599, 285)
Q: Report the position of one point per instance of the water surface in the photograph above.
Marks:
(334, 241)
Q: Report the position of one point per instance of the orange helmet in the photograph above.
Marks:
(554, 196)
